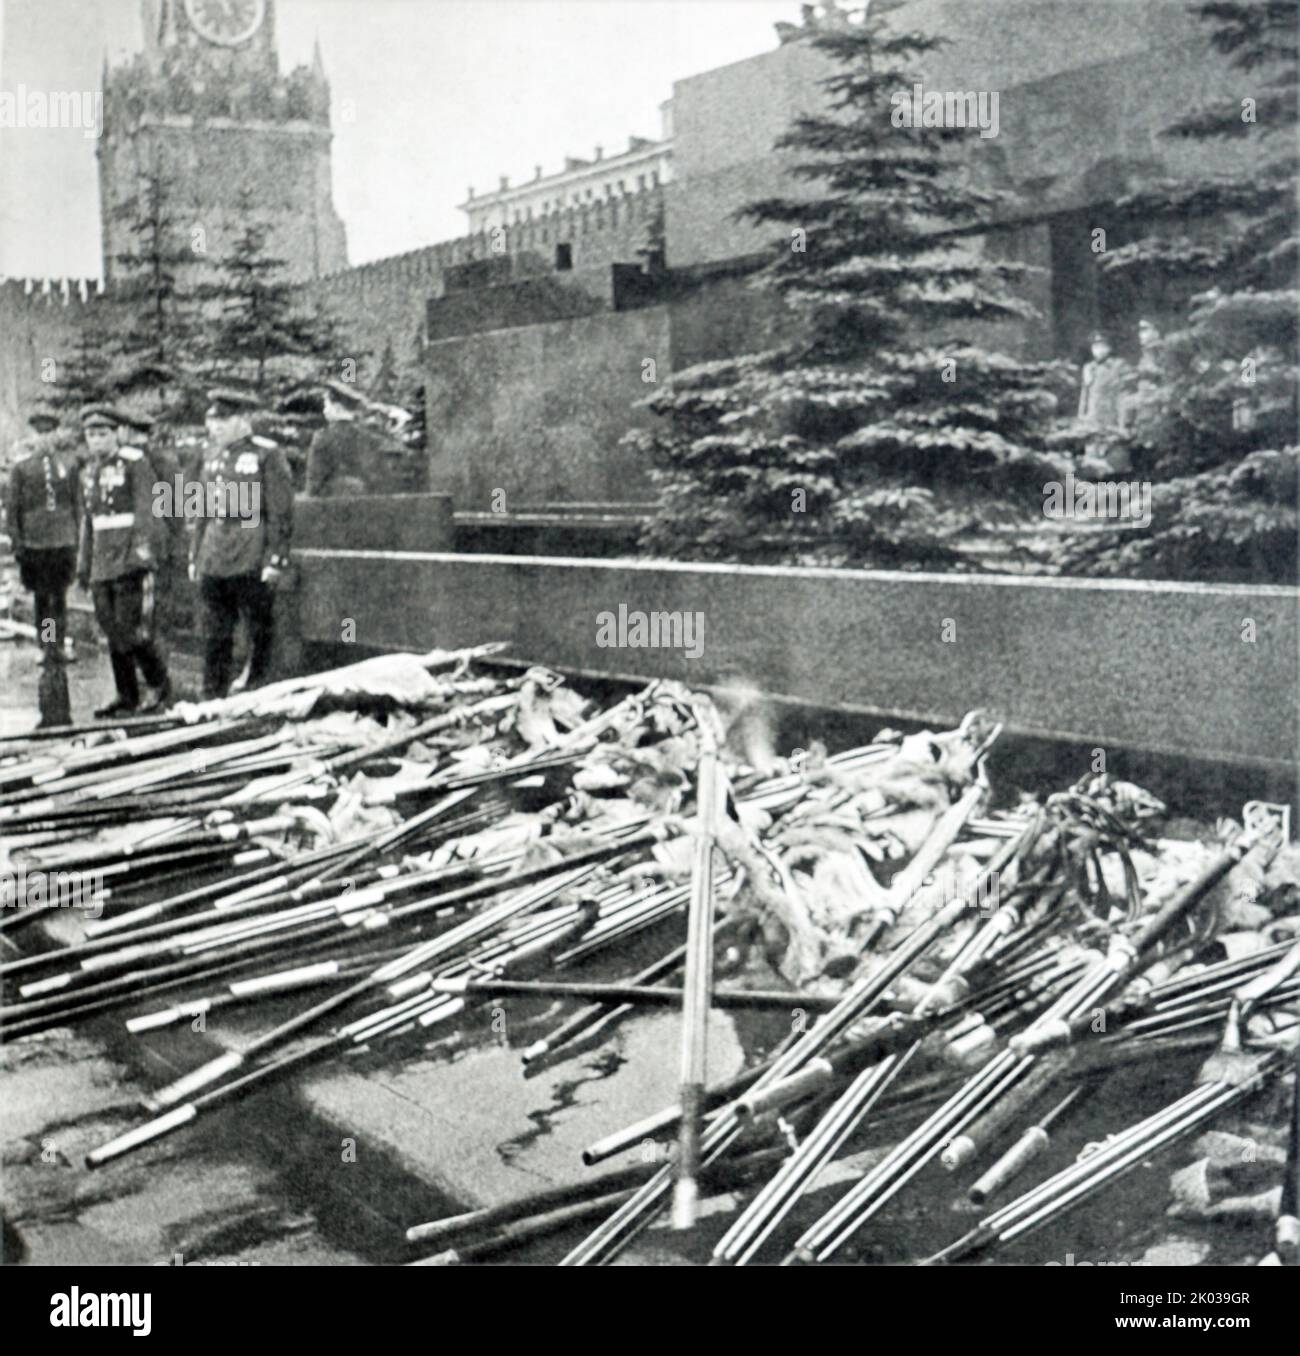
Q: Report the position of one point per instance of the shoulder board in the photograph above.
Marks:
(130, 454)
(267, 443)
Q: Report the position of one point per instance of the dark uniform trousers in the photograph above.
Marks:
(226, 599)
(124, 610)
(48, 573)
(43, 517)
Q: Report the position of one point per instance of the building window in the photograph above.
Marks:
(563, 257)
(640, 182)
(589, 195)
(654, 178)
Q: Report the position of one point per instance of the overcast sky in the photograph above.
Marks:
(441, 94)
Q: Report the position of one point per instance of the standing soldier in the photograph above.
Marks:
(348, 457)
(44, 513)
(1105, 380)
(241, 549)
(118, 561)
(338, 452)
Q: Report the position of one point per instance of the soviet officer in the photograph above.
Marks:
(241, 543)
(44, 524)
(349, 457)
(118, 561)
(1105, 380)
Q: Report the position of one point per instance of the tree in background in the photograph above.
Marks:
(153, 350)
(261, 335)
(1215, 427)
(880, 430)
(83, 375)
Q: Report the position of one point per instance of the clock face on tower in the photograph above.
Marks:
(227, 22)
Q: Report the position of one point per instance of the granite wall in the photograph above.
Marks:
(536, 412)
(1162, 668)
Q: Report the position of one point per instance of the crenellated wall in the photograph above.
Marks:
(374, 302)
(512, 326)
(386, 299)
(38, 324)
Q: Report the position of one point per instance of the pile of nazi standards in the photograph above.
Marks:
(954, 970)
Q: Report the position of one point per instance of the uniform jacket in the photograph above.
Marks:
(118, 528)
(1104, 386)
(250, 471)
(43, 505)
(169, 531)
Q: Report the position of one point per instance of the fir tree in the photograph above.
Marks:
(83, 376)
(262, 336)
(153, 350)
(1215, 424)
(875, 432)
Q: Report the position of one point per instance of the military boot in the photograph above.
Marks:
(128, 688)
(52, 694)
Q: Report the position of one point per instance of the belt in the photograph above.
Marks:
(105, 522)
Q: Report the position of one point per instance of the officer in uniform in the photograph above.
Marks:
(44, 524)
(1102, 399)
(1105, 380)
(118, 561)
(238, 556)
(348, 457)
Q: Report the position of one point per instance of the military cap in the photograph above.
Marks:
(102, 414)
(1099, 338)
(142, 423)
(233, 401)
(342, 391)
(302, 400)
(43, 422)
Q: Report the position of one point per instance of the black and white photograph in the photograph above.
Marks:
(655, 633)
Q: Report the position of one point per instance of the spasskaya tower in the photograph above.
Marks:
(206, 106)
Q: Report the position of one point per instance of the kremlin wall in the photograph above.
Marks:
(536, 339)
